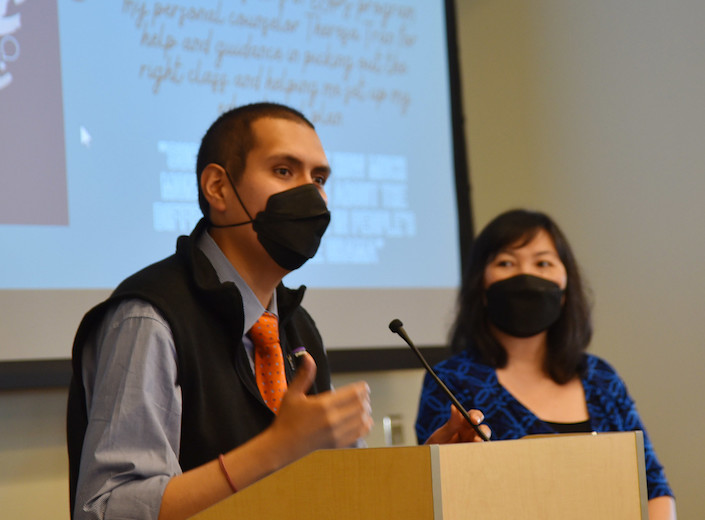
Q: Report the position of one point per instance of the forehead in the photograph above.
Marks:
(541, 242)
(285, 134)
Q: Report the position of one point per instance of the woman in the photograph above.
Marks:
(519, 340)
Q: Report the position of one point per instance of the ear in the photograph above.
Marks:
(214, 183)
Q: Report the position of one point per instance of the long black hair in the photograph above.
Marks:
(567, 339)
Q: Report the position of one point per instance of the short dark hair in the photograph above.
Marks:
(567, 338)
(230, 139)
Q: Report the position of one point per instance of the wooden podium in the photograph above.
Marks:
(575, 476)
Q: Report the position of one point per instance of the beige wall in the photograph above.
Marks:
(592, 112)
(33, 462)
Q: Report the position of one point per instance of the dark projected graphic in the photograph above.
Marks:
(33, 186)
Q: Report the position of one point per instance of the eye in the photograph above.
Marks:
(320, 179)
(544, 263)
(504, 263)
(283, 171)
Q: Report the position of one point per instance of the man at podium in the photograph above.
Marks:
(190, 382)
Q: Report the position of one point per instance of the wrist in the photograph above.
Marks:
(278, 448)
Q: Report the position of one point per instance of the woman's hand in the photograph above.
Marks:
(457, 429)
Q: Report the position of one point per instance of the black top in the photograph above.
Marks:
(578, 427)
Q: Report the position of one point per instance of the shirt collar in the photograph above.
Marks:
(226, 272)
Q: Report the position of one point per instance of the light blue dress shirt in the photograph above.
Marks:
(134, 406)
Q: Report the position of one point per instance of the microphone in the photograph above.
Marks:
(397, 327)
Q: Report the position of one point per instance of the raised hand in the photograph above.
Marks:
(333, 419)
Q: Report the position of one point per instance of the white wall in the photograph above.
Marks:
(592, 112)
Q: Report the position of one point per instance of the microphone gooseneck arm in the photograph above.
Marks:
(397, 327)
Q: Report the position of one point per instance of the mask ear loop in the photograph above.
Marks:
(241, 204)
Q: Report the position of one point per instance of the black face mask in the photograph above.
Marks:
(524, 305)
(291, 226)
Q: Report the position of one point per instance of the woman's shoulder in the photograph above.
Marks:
(597, 363)
(600, 372)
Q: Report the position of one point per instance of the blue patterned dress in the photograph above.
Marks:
(476, 386)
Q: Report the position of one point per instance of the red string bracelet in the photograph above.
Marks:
(221, 460)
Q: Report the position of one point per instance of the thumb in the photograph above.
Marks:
(305, 374)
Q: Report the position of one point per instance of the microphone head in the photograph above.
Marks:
(395, 325)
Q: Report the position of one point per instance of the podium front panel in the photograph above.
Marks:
(572, 476)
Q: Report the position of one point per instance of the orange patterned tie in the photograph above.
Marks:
(269, 361)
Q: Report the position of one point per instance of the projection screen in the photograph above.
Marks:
(104, 105)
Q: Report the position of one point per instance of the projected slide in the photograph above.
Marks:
(104, 104)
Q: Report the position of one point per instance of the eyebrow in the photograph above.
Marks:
(539, 253)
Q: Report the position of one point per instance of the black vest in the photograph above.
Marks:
(222, 407)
